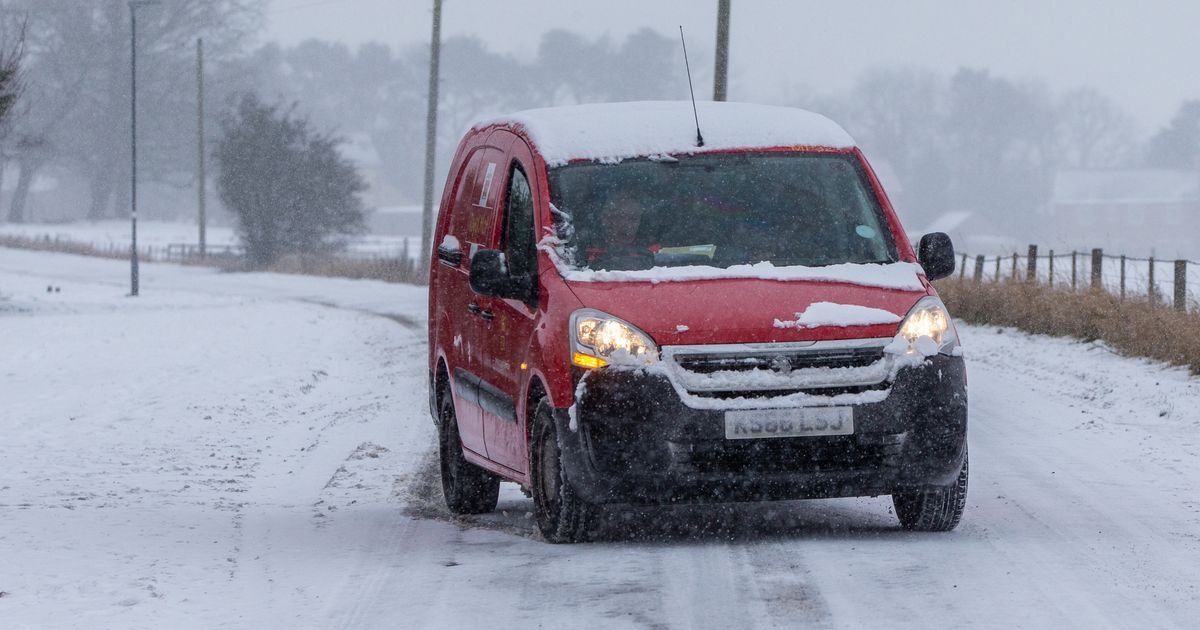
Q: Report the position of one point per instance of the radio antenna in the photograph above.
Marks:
(699, 138)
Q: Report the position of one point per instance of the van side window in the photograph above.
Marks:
(518, 245)
(461, 210)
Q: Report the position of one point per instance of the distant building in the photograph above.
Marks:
(395, 221)
(1135, 212)
(360, 149)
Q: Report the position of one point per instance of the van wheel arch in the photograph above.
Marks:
(536, 392)
(441, 383)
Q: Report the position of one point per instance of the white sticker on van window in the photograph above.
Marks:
(865, 231)
(487, 184)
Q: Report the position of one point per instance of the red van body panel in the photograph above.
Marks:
(682, 312)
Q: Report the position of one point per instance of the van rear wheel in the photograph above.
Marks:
(468, 489)
(935, 509)
(562, 515)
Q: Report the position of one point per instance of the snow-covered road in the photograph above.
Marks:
(254, 450)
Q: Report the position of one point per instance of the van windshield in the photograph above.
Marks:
(719, 209)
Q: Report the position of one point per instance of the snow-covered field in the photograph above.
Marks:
(116, 232)
(253, 450)
(155, 236)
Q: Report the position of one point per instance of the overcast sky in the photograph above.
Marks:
(1143, 54)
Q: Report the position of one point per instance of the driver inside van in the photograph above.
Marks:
(619, 221)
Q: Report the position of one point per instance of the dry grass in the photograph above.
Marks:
(1134, 326)
(46, 244)
(396, 270)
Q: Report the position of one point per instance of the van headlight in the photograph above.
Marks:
(599, 339)
(926, 330)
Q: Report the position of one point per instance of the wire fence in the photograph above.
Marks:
(1163, 281)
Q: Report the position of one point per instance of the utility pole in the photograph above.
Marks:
(200, 181)
(721, 77)
(435, 48)
(133, 251)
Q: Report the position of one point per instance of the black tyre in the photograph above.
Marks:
(562, 515)
(468, 488)
(936, 509)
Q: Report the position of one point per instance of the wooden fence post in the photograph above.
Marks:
(1014, 269)
(1051, 269)
(1122, 277)
(1181, 285)
(998, 267)
(1074, 266)
(1150, 292)
(1031, 270)
(1097, 268)
(978, 268)
(962, 269)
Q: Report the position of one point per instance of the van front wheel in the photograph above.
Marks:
(468, 488)
(562, 515)
(934, 509)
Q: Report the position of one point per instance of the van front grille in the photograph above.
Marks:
(820, 391)
(796, 360)
(765, 371)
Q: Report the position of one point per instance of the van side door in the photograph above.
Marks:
(472, 226)
(513, 320)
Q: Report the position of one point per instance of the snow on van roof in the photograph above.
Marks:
(615, 131)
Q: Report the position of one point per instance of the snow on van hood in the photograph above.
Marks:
(615, 131)
(832, 314)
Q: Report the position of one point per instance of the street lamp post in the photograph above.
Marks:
(133, 251)
(200, 146)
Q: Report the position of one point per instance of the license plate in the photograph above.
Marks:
(798, 422)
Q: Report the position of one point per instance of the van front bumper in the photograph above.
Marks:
(636, 442)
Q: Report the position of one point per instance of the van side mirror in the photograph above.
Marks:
(489, 276)
(936, 255)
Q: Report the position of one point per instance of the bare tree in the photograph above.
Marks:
(12, 85)
(78, 79)
(1177, 146)
(1092, 131)
(380, 92)
(898, 116)
(12, 74)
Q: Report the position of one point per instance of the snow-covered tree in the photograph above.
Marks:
(288, 186)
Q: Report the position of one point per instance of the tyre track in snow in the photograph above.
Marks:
(1098, 526)
(1077, 510)
(710, 586)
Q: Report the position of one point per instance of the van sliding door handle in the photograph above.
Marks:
(474, 308)
(488, 315)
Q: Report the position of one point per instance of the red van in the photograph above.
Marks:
(624, 312)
